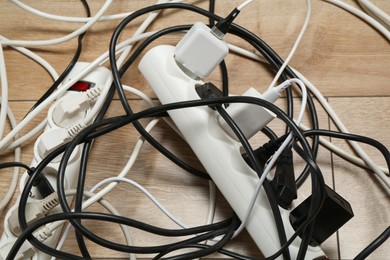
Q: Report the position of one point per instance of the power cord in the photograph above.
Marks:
(103, 126)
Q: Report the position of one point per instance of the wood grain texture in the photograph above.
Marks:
(344, 57)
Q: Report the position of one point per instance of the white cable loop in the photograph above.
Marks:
(72, 35)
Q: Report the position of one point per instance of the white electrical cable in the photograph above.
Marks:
(110, 208)
(99, 195)
(375, 12)
(212, 202)
(35, 57)
(340, 125)
(140, 94)
(75, 19)
(143, 27)
(143, 190)
(61, 90)
(27, 136)
(14, 181)
(344, 154)
(295, 46)
(374, 23)
(4, 93)
(244, 4)
(67, 18)
(75, 33)
(268, 167)
(125, 169)
(52, 73)
(97, 106)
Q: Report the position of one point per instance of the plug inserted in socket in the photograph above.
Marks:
(249, 118)
(70, 109)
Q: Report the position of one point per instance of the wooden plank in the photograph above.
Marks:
(340, 54)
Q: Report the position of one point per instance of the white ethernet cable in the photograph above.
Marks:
(374, 23)
(75, 33)
(375, 12)
(295, 46)
(77, 19)
(271, 163)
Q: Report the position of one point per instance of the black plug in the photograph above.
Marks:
(284, 181)
(335, 212)
(223, 26)
(42, 184)
(208, 90)
(264, 152)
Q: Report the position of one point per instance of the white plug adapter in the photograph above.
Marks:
(200, 51)
(250, 118)
(51, 140)
(70, 109)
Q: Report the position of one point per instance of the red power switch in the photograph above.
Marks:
(81, 86)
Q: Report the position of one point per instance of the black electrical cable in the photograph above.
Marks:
(80, 241)
(139, 127)
(352, 137)
(307, 237)
(374, 245)
(306, 171)
(144, 133)
(14, 164)
(226, 252)
(116, 73)
(222, 65)
(137, 116)
(317, 177)
(268, 53)
(386, 154)
(269, 133)
(212, 11)
(258, 169)
(229, 232)
(70, 66)
(276, 61)
(79, 197)
(27, 232)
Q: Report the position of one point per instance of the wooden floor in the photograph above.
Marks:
(344, 57)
